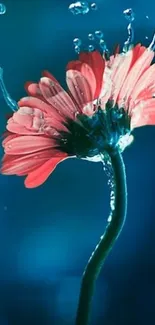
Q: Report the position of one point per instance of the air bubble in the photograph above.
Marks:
(2, 9)
(99, 34)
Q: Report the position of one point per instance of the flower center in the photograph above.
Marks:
(90, 136)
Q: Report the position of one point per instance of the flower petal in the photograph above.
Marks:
(57, 97)
(79, 88)
(141, 64)
(23, 164)
(143, 113)
(40, 175)
(28, 144)
(97, 64)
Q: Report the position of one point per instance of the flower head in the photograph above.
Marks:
(106, 100)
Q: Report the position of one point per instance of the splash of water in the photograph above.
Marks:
(130, 16)
(107, 166)
(9, 101)
(2, 9)
(152, 45)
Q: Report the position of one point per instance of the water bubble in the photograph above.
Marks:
(91, 48)
(77, 42)
(2, 9)
(146, 37)
(147, 17)
(99, 34)
(91, 37)
(129, 14)
(77, 49)
(93, 6)
(79, 7)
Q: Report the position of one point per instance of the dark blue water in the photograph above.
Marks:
(47, 234)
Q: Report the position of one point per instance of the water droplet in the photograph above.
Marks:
(91, 37)
(147, 17)
(91, 48)
(110, 218)
(77, 42)
(2, 9)
(93, 6)
(79, 7)
(146, 37)
(77, 49)
(129, 14)
(112, 200)
(102, 44)
(99, 34)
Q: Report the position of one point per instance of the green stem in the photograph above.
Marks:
(112, 231)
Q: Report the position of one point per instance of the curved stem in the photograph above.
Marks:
(112, 231)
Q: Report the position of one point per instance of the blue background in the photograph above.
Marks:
(47, 234)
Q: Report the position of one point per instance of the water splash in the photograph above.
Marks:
(2, 9)
(152, 45)
(9, 101)
(125, 141)
(81, 7)
(130, 16)
(107, 166)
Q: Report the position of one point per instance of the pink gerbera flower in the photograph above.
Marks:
(105, 102)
